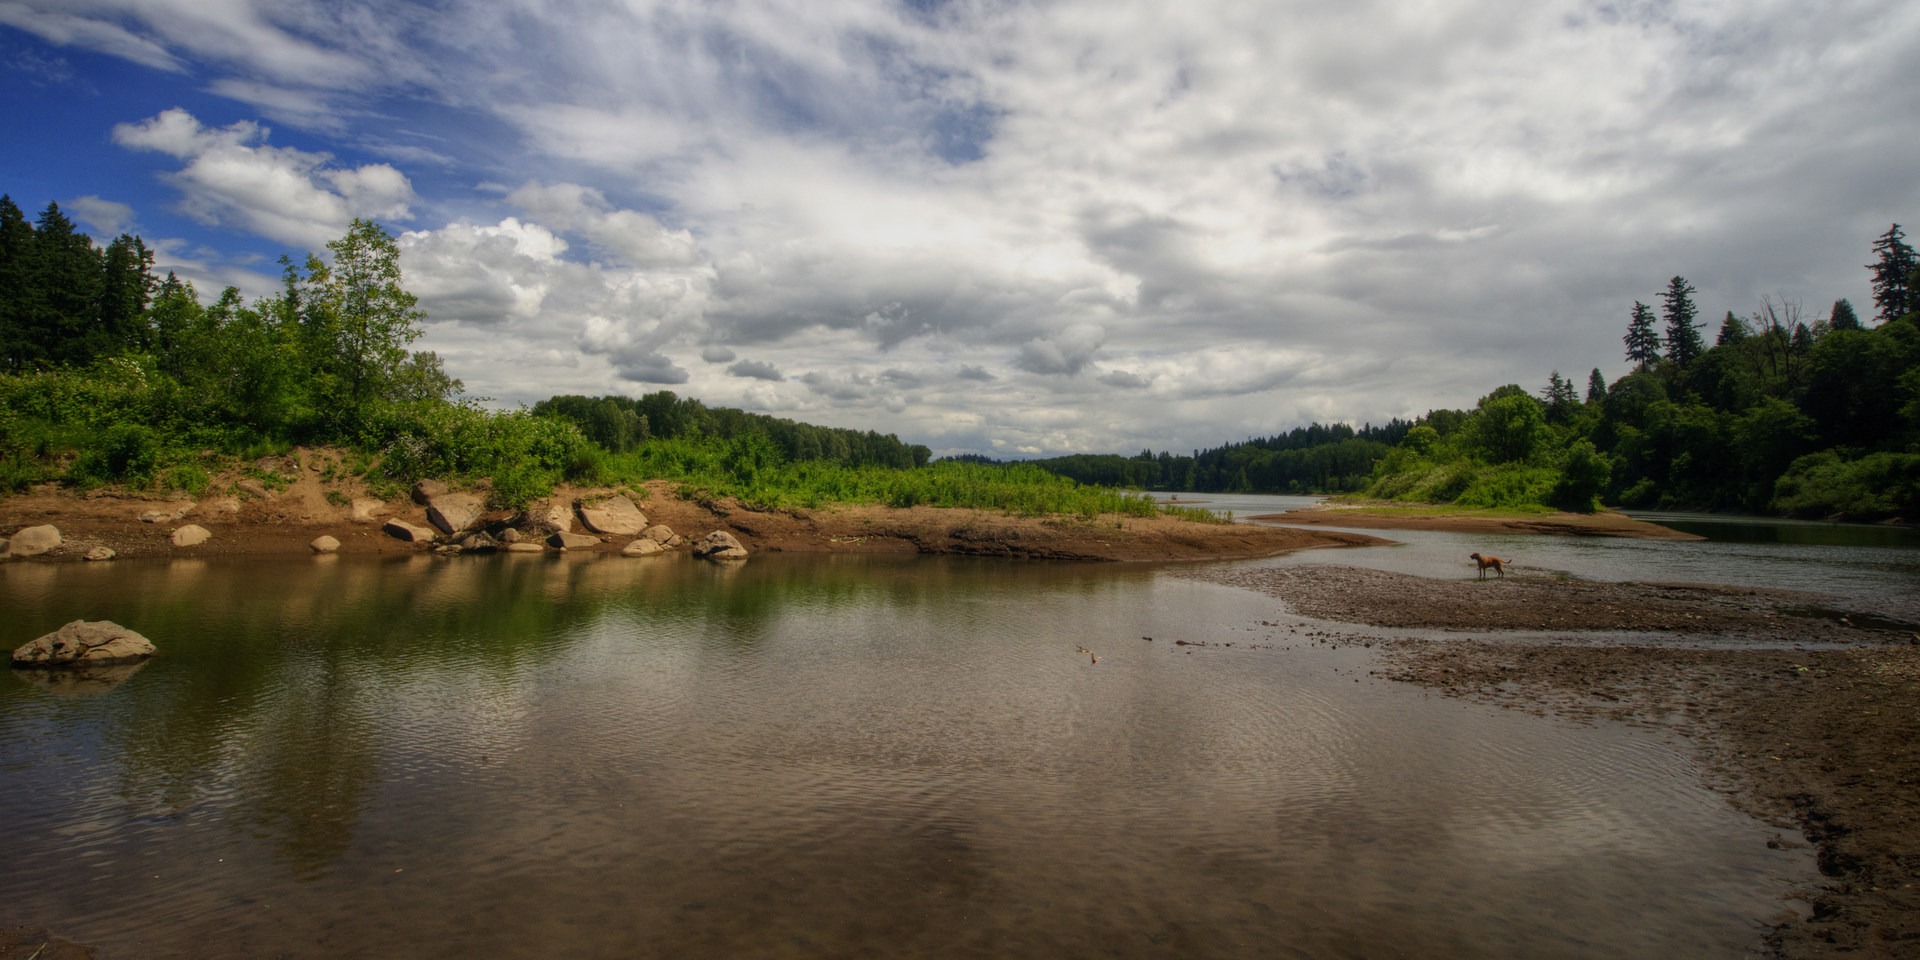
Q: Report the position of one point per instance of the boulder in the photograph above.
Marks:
(525, 547)
(550, 518)
(191, 535)
(402, 530)
(565, 540)
(479, 542)
(510, 536)
(366, 509)
(84, 642)
(660, 533)
(324, 544)
(719, 545)
(455, 513)
(33, 541)
(613, 517)
(642, 547)
(101, 553)
(425, 490)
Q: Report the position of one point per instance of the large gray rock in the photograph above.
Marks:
(402, 530)
(33, 541)
(550, 518)
(719, 545)
(565, 540)
(84, 642)
(661, 534)
(642, 547)
(324, 544)
(456, 513)
(613, 517)
(425, 490)
(191, 535)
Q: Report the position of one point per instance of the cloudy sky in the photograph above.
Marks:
(1013, 228)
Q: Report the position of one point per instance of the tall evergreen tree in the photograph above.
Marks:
(1643, 344)
(1893, 276)
(65, 269)
(1560, 398)
(1596, 386)
(18, 348)
(1733, 330)
(1843, 317)
(126, 285)
(1683, 333)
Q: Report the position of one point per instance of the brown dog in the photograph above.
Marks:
(1495, 562)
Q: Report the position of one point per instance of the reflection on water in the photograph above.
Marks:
(807, 756)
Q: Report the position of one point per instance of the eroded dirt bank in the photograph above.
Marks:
(1806, 711)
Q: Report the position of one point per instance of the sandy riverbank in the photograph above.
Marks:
(287, 520)
(1368, 515)
(1805, 711)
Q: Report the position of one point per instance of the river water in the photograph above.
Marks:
(820, 756)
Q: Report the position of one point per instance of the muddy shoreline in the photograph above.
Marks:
(1804, 709)
(1384, 516)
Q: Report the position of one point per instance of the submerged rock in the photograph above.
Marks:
(92, 642)
(33, 541)
(191, 535)
(613, 517)
(101, 553)
(719, 545)
(324, 544)
(525, 547)
(642, 547)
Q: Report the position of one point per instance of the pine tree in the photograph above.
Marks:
(64, 268)
(1643, 344)
(18, 349)
(1893, 276)
(1560, 398)
(1683, 334)
(1596, 386)
(1843, 317)
(1733, 330)
(126, 286)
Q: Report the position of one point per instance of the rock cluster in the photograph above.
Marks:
(84, 642)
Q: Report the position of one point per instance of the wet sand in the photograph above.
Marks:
(1806, 712)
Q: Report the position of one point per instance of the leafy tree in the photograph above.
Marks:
(1643, 344)
(1893, 283)
(358, 321)
(1508, 426)
(1842, 318)
(1683, 333)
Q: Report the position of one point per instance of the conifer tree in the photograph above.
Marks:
(1893, 276)
(1733, 330)
(1643, 344)
(18, 349)
(1596, 386)
(1843, 317)
(1683, 333)
(64, 271)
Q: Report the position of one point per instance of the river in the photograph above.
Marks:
(807, 756)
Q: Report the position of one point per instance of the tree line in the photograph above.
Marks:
(621, 424)
(1317, 458)
(1785, 411)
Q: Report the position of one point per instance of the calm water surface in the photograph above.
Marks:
(815, 757)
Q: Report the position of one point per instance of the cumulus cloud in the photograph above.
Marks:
(232, 177)
(1065, 353)
(109, 217)
(755, 370)
(1145, 224)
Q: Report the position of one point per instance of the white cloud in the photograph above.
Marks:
(109, 218)
(232, 177)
